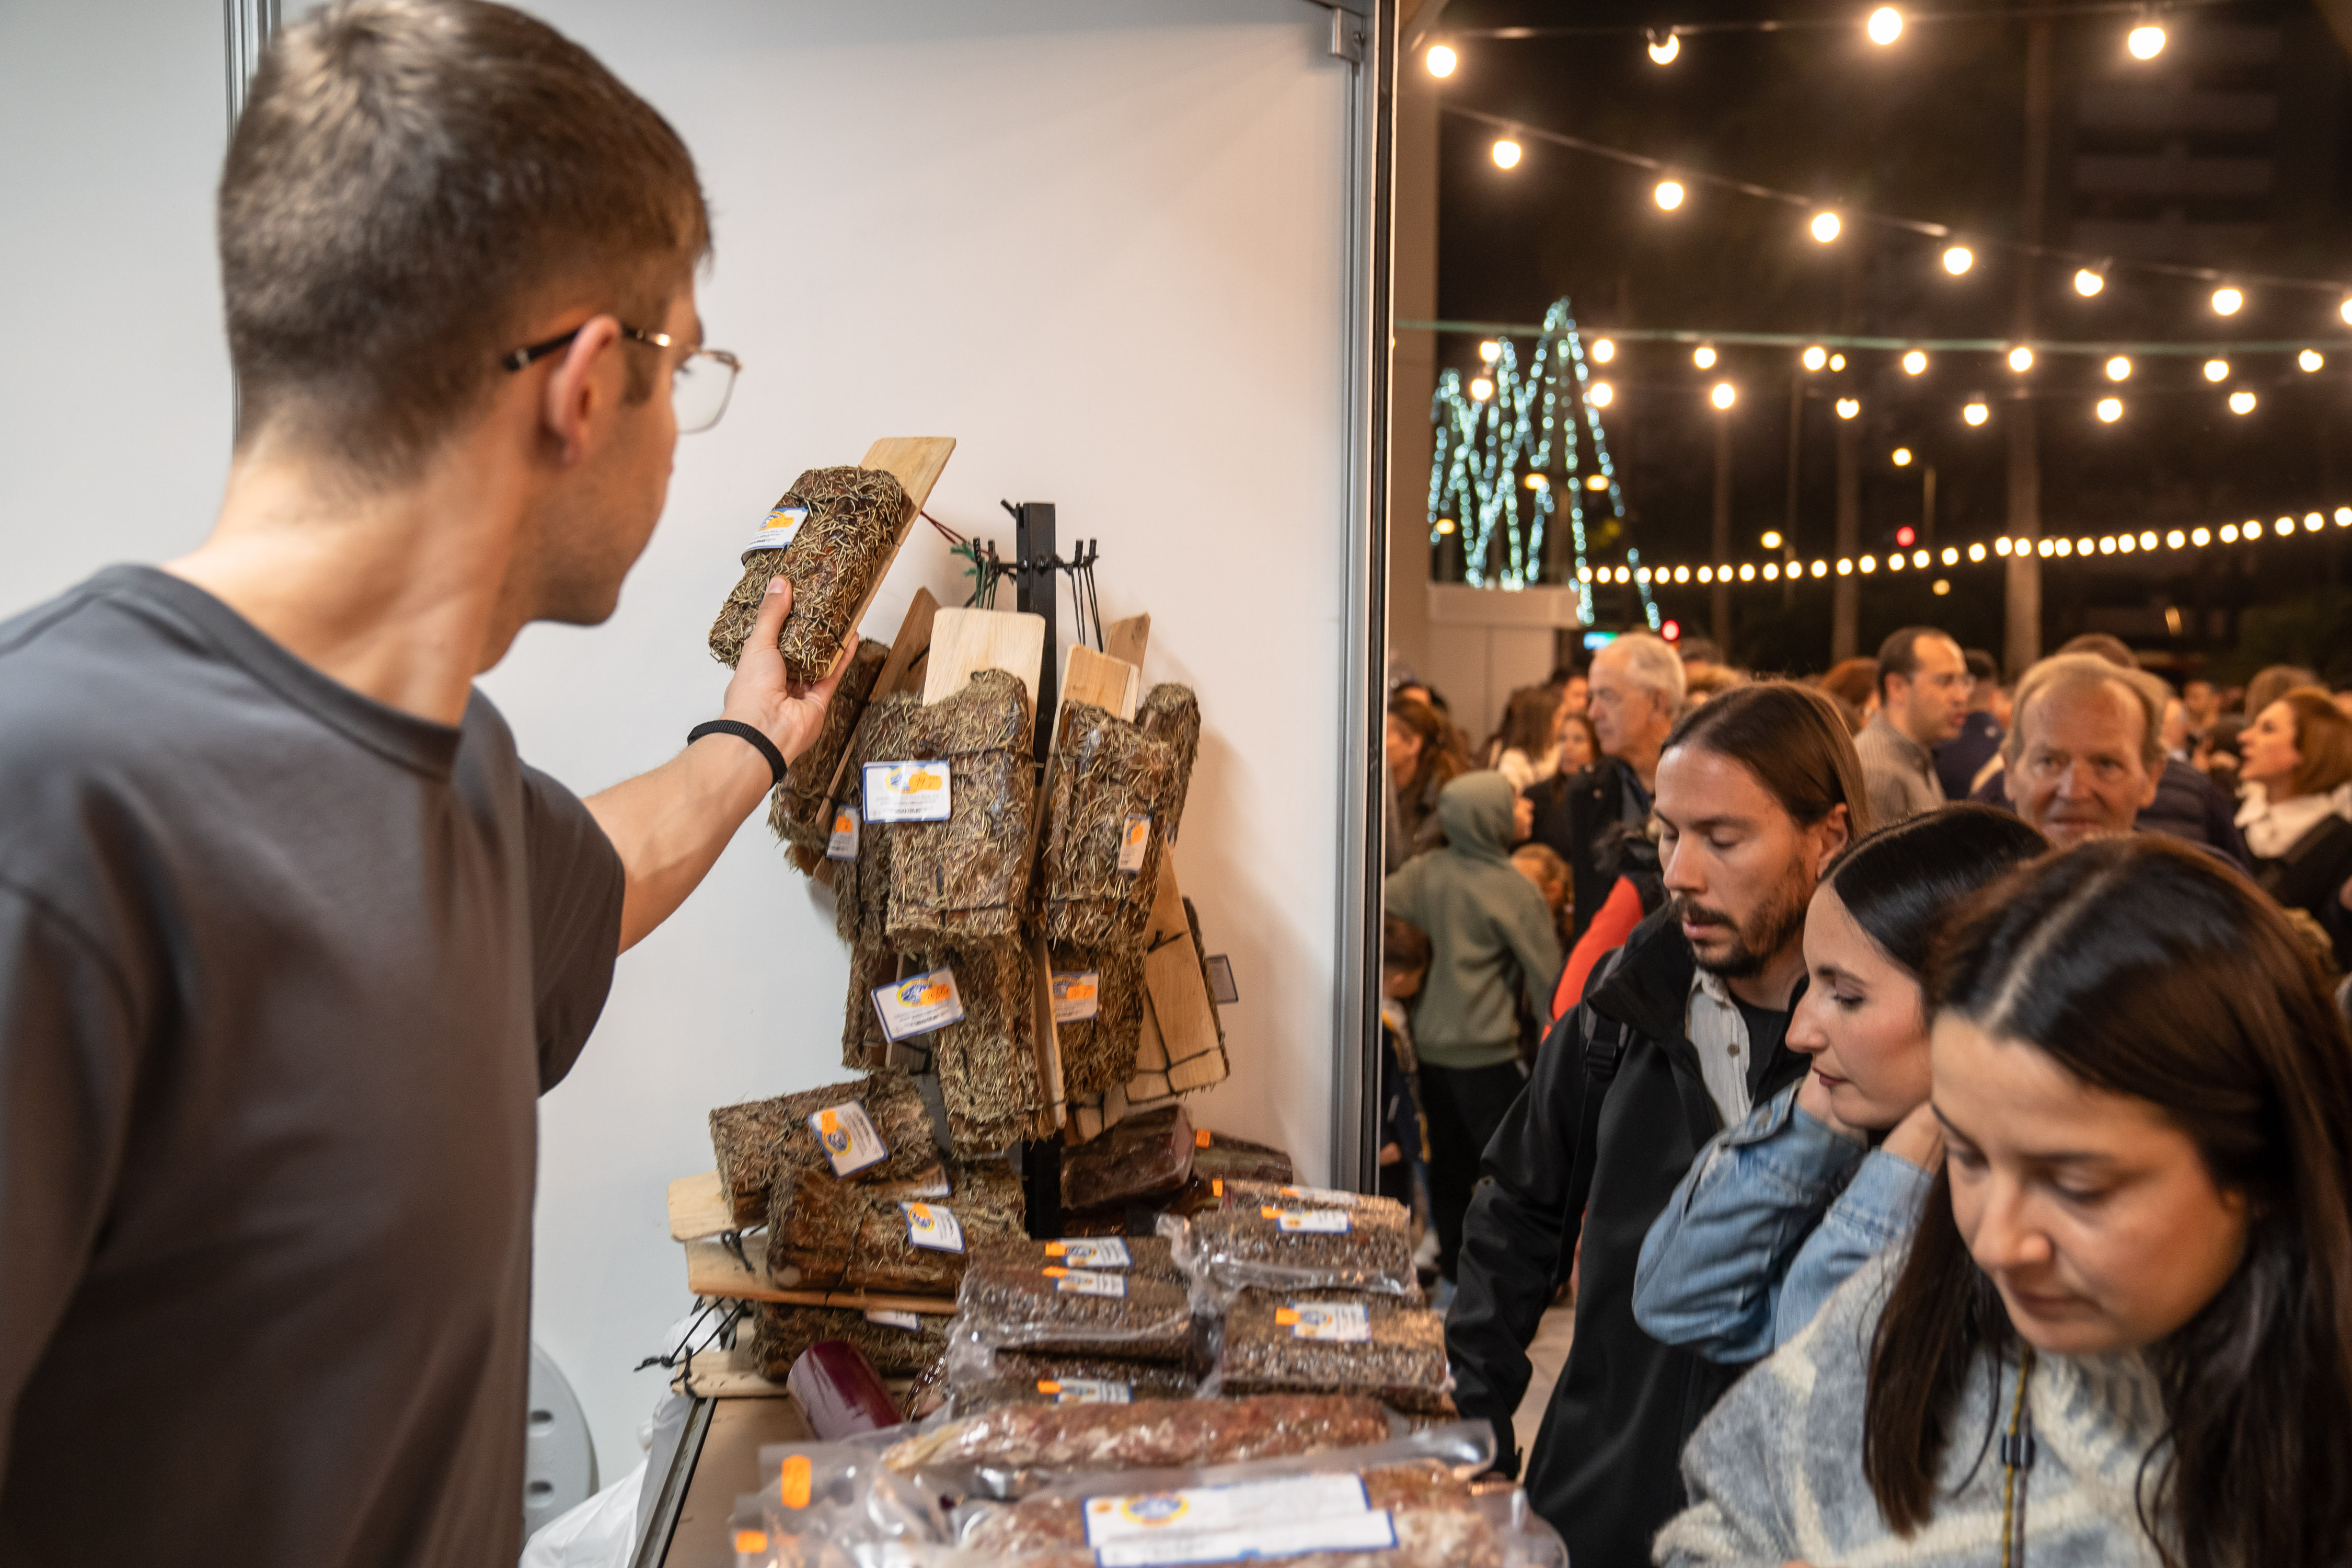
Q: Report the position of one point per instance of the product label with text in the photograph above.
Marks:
(1091, 1252)
(906, 792)
(917, 1005)
(1307, 1222)
(1339, 1322)
(1077, 994)
(889, 1320)
(846, 1135)
(1087, 1282)
(1134, 838)
(842, 844)
(1086, 1391)
(777, 530)
(932, 1226)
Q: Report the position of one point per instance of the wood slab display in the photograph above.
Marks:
(713, 1270)
(916, 462)
(698, 1206)
(963, 641)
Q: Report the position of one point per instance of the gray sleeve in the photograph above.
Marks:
(576, 884)
(68, 1061)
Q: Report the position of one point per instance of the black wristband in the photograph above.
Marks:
(736, 726)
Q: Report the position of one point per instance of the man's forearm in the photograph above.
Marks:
(670, 825)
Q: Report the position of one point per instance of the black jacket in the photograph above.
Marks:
(1603, 1471)
(2308, 877)
(1571, 814)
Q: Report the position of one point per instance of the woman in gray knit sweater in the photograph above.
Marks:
(2122, 1331)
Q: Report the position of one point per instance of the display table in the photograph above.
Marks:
(717, 1461)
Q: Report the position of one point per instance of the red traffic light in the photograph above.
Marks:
(1905, 535)
(1672, 631)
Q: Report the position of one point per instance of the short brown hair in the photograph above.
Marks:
(409, 180)
(2322, 735)
(2076, 671)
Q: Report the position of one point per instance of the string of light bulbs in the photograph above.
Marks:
(1896, 563)
(1883, 27)
(1829, 221)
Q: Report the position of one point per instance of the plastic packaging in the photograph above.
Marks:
(1335, 1341)
(898, 1344)
(1024, 1377)
(1005, 1451)
(840, 1392)
(1143, 1157)
(1079, 1312)
(825, 1234)
(835, 1505)
(1295, 1239)
(1150, 1256)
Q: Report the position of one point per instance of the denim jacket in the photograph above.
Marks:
(1775, 1215)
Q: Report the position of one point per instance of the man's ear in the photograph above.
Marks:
(1829, 835)
(2155, 781)
(582, 389)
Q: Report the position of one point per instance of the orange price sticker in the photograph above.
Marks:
(794, 1483)
(1055, 1273)
(747, 1540)
(1056, 1249)
(1216, 1186)
(1199, 1138)
(1047, 1386)
(1269, 1212)
(1286, 1317)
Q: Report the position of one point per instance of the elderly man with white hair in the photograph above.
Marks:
(1636, 692)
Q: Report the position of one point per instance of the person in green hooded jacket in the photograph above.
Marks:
(1491, 943)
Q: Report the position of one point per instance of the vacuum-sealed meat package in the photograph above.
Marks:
(899, 1344)
(840, 529)
(1335, 1341)
(1158, 1435)
(992, 1379)
(1296, 1238)
(1143, 1157)
(1078, 1311)
(1144, 1256)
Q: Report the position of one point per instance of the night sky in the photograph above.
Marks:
(2229, 150)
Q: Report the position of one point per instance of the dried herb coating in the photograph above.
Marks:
(1162, 1435)
(856, 519)
(825, 1234)
(1109, 772)
(756, 1139)
(987, 1062)
(966, 880)
(799, 809)
(872, 962)
(1143, 1157)
(861, 888)
(1148, 1257)
(1402, 1363)
(1248, 1241)
(1099, 1053)
(1002, 1532)
(1170, 714)
(781, 1334)
(1011, 1305)
(1224, 1158)
(1006, 1372)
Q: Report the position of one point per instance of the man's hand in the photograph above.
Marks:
(670, 824)
(761, 696)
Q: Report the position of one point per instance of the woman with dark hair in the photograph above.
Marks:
(2122, 1331)
(1528, 748)
(1781, 1210)
(1579, 743)
(1422, 761)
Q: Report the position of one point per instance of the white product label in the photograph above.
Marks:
(843, 845)
(1086, 1391)
(906, 1321)
(930, 1226)
(1307, 1222)
(1077, 994)
(1327, 1197)
(778, 530)
(1340, 1322)
(917, 1005)
(846, 1134)
(906, 792)
(1091, 1252)
(1134, 838)
(1087, 1282)
(1251, 1505)
(1350, 1532)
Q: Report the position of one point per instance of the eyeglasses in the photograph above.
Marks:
(699, 388)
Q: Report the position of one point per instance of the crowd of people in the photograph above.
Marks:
(1934, 1094)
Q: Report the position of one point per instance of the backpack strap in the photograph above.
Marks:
(1606, 1040)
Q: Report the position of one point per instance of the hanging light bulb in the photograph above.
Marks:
(1538, 481)
(1596, 482)
(2087, 283)
(1724, 395)
(1441, 59)
(2145, 41)
(2118, 368)
(1772, 539)
(1603, 350)
(1481, 389)
(1825, 227)
(2241, 403)
(1815, 357)
(1837, 362)
(2310, 360)
(1901, 456)
(2217, 370)
(1914, 362)
(1885, 25)
(1600, 394)
(1668, 195)
(1975, 413)
(1957, 259)
(2109, 410)
(2021, 359)
(2226, 300)
(1664, 50)
(1848, 407)
(1703, 356)
(2344, 310)
(1489, 350)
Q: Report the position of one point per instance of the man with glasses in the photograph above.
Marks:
(290, 940)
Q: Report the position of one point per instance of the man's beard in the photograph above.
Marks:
(1766, 934)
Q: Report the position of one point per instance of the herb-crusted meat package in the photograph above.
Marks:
(1294, 1238)
(1148, 1257)
(856, 519)
(1337, 1341)
(965, 880)
(1076, 1312)
(799, 809)
(987, 1062)
(825, 1234)
(781, 1334)
(1170, 714)
(1100, 866)
(861, 888)
(1099, 1051)
(1161, 1434)
(754, 1141)
(1143, 1157)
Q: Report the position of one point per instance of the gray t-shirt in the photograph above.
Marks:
(283, 972)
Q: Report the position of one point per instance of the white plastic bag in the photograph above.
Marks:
(600, 1533)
